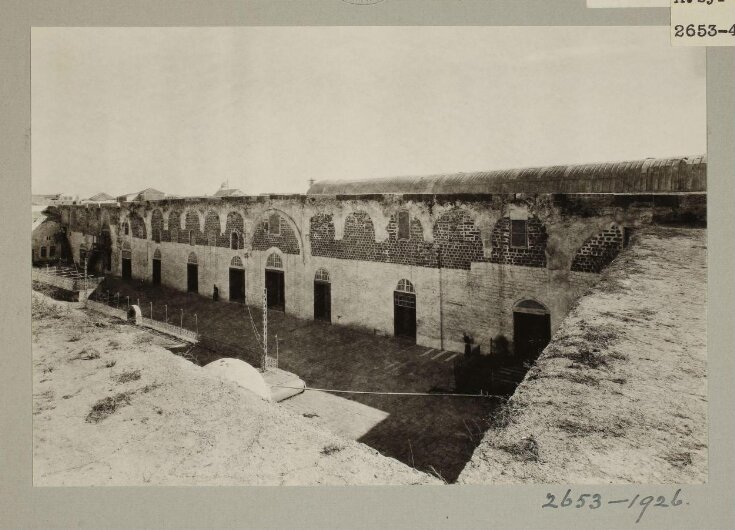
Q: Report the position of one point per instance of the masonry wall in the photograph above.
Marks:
(458, 255)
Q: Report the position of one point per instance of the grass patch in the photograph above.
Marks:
(126, 377)
(76, 336)
(107, 406)
(88, 354)
(148, 388)
(580, 378)
(679, 459)
(331, 449)
(110, 364)
(525, 449)
(113, 344)
(615, 428)
(41, 308)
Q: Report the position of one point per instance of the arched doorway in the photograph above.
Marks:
(404, 310)
(237, 280)
(322, 296)
(127, 264)
(275, 282)
(531, 329)
(156, 276)
(192, 274)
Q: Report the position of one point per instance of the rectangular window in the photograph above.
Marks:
(404, 227)
(191, 237)
(518, 234)
(274, 224)
(52, 251)
(43, 252)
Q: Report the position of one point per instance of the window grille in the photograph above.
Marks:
(274, 261)
(404, 286)
(192, 259)
(322, 275)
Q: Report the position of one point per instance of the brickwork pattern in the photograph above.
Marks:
(598, 251)
(459, 240)
(358, 242)
(533, 255)
(137, 226)
(157, 225)
(285, 240)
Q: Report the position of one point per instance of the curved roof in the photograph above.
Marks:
(681, 174)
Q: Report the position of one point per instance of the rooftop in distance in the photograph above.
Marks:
(678, 174)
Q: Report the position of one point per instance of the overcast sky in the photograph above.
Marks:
(184, 109)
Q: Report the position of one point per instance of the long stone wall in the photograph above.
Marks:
(458, 251)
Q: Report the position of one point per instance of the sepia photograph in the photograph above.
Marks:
(377, 255)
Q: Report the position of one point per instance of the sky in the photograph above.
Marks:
(266, 109)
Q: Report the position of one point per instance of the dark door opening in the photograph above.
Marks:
(322, 301)
(237, 285)
(127, 269)
(404, 314)
(192, 277)
(156, 272)
(531, 334)
(275, 284)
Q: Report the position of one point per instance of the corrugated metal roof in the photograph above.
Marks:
(679, 174)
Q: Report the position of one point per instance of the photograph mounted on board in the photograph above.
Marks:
(368, 256)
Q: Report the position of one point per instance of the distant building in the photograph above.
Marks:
(54, 199)
(99, 198)
(148, 194)
(225, 191)
(48, 241)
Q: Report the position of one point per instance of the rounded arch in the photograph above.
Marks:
(258, 242)
(156, 224)
(405, 286)
(236, 262)
(322, 275)
(236, 242)
(531, 306)
(274, 261)
(157, 254)
(192, 258)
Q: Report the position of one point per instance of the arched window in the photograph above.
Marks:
(126, 228)
(192, 259)
(404, 225)
(274, 261)
(530, 306)
(404, 286)
(235, 240)
(236, 262)
(322, 275)
(157, 254)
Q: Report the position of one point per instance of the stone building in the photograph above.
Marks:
(487, 256)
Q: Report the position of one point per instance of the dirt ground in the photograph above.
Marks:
(619, 395)
(111, 407)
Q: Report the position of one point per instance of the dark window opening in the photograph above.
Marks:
(157, 235)
(126, 229)
(234, 241)
(43, 252)
(192, 240)
(274, 224)
(52, 251)
(518, 233)
(404, 228)
(627, 233)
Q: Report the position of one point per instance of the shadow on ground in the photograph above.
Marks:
(436, 434)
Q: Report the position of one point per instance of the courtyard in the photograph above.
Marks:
(436, 432)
